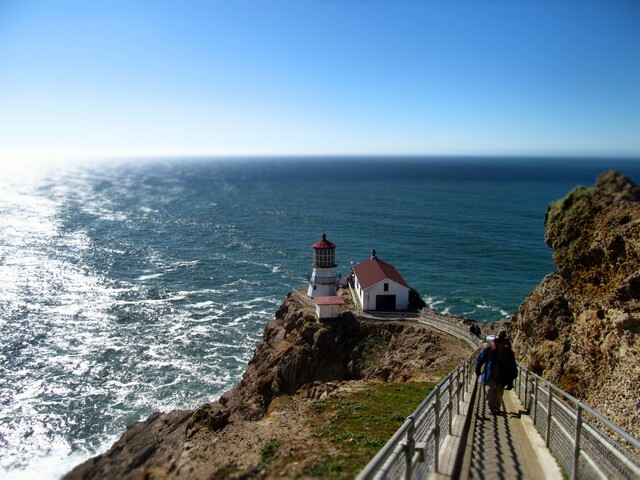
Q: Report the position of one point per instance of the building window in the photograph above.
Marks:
(386, 287)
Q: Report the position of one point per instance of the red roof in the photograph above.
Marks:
(324, 243)
(372, 271)
(331, 300)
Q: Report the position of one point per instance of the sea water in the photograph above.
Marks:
(132, 287)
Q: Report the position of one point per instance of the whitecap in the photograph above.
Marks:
(205, 304)
(241, 281)
(174, 265)
(151, 301)
(485, 306)
(50, 460)
(113, 216)
(150, 276)
(202, 291)
(432, 302)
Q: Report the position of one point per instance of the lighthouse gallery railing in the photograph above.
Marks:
(325, 280)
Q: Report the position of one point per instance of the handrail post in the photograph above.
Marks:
(526, 389)
(464, 380)
(410, 449)
(468, 377)
(459, 391)
(535, 400)
(549, 404)
(436, 432)
(576, 441)
(450, 405)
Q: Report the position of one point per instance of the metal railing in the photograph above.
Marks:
(585, 444)
(395, 315)
(303, 297)
(451, 326)
(355, 297)
(414, 449)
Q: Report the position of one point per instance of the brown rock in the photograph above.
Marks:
(212, 416)
(579, 328)
(298, 360)
(138, 447)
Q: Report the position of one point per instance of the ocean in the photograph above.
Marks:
(137, 286)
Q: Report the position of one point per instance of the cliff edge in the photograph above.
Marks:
(580, 326)
(299, 361)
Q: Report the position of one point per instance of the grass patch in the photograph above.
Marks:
(269, 452)
(327, 467)
(360, 423)
(318, 406)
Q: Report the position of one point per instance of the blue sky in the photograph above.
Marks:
(267, 77)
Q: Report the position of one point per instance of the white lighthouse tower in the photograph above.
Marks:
(324, 277)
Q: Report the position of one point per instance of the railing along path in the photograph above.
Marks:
(585, 444)
(414, 450)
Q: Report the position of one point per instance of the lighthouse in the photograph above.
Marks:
(324, 276)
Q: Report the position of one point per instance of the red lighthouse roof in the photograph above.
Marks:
(324, 243)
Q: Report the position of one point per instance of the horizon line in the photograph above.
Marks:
(57, 156)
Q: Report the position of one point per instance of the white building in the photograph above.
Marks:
(328, 307)
(324, 277)
(379, 286)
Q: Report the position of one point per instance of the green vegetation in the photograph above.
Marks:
(325, 468)
(349, 428)
(369, 346)
(269, 451)
(223, 472)
(360, 423)
(318, 406)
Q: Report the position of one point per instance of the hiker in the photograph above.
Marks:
(500, 372)
(475, 330)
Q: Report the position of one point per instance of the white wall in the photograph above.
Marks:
(359, 292)
(328, 311)
(368, 297)
(322, 290)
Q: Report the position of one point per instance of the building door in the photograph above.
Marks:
(385, 303)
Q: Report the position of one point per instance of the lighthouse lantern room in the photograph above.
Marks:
(324, 276)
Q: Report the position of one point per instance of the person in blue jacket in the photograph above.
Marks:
(500, 372)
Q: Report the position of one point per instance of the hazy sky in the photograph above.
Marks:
(320, 77)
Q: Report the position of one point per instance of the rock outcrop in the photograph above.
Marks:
(297, 358)
(580, 327)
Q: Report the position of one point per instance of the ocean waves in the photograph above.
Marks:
(104, 322)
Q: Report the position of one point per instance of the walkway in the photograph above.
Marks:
(452, 433)
(504, 446)
(483, 446)
(507, 445)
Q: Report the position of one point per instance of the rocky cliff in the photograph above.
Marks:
(580, 327)
(298, 360)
